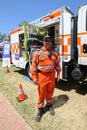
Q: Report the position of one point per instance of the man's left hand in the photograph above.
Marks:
(58, 79)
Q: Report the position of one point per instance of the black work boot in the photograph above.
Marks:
(51, 110)
(39, 114)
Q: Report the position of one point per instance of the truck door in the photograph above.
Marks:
(82, 35)
(53, 31)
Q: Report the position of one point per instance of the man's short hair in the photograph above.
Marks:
(47, 37)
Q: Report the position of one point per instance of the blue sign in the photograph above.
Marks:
(6, 49)
(6, 54)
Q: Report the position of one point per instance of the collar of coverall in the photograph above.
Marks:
(44, 49)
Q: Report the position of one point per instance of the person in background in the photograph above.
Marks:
(44, 64)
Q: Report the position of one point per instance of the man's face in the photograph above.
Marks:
(47, 43)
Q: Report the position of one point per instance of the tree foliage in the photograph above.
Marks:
(2, 37)
(22, 24)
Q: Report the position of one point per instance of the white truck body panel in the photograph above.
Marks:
(16, 59)
(82, 34)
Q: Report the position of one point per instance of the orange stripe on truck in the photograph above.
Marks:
(78, 40)
(60, 41)
(51, 16)
(64, 48)
(69, 41)
(65, 54)
(82, 33)
(56, 14)
(16, 30)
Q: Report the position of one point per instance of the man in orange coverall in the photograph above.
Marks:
(44, 64)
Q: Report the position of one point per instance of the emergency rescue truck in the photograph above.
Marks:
(69, 33)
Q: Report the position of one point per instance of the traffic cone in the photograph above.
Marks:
(21, 96)
(7, 69)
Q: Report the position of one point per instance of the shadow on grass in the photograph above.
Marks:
(21, 71)
(82, 89)
(58, 101)
(68, 86)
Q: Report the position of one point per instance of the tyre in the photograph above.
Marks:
(76, 74)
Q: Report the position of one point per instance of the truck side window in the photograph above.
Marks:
(85, 48)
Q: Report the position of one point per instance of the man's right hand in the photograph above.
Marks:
(35, 81)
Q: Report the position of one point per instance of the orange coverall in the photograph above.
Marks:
(44, 64)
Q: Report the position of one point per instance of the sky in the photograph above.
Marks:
(14, 12)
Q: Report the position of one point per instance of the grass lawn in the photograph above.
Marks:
(9, 83)
(69, 102)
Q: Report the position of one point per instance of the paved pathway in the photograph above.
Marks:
(9, 118)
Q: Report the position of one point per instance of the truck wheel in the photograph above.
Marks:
(28, 71)
(76, 74)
